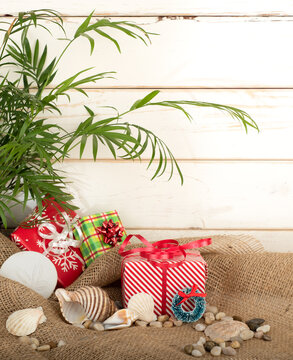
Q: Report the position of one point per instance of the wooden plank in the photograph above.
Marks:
(214, 195)
(214, 53)
(155, 7)
(273, 241)
(212, 134)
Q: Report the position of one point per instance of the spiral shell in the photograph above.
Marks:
(87, 303)
(143, 305)
(121, 319)
(25, 322)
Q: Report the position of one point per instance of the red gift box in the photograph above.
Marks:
(161, 269)
(53, 238)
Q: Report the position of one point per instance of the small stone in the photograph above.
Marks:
(222, 345)
(229, 351)
(97, 326)
(237, 338)
(264, 328)
(253, 324)
(201, 341)
(209, 318)
(25, 340)
(141, 323)
(200, 327)
(35, 341)
(267, 337)
(218, 340)
(227, 318)
(212, 309)
(53, 344)
(178, 322)
(188, 349)
(216, 351)
(220, 315)
(237, 318)
(163, 318)
(33, 346)
(168, 324)
(157, 324)
(196, 353)
(87, 324)
(43, 348)
(235, 344)
(61, 343)
(258, 334)
(199, 348)
(209, 345)
(246, 334)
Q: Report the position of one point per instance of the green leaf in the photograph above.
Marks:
(83, 27)
(95, 147)
(102, 33)
(28, 50)
(82, 145)
(145, 100)
(91, 40)
(36, 54)
(42, 61)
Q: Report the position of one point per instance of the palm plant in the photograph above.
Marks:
(30, 146)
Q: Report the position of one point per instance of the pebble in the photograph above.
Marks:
(218, 340)
(87, 324)
(235, 344)
(222, 345)
(209, 318)
(264, 328)
(229, 351)
(199, 348)
(202, 340)
(200, 327)
(237, 318)
(253, 324)
(178, 322)
(141, 323)
(35, 341)
(25, 340)
(220, 315)
(156, 324)
(61, 343)
(209, 345)
(188, 349)
(53, 344)
(236, 338)
(33, 346)
(43, 348)
(97, 326)
(163, 318)
(212, 309)
(196, 353)
(258, 334)
(216, 351)
(227, 318)
(168, 324)
(246, 334)
(267, 337)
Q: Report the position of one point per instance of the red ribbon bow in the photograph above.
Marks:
(111, 231)
(191, 294)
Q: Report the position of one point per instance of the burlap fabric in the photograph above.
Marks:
(243, 280)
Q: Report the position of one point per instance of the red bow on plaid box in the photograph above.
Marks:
(112, 232)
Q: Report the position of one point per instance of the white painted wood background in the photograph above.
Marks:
(231, 52)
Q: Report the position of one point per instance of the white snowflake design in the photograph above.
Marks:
(18, 242)
(65, 261)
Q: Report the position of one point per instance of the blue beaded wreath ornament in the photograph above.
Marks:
(198, 300)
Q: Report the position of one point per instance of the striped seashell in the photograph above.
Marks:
(87, 303)
(24, 322)
(121, 319)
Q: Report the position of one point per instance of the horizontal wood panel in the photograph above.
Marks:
(214, 195)
(212, 134)
(198, 53)
(155, 7)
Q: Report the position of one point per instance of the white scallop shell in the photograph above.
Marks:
(121, 319)
(143, 305)
(25, 322)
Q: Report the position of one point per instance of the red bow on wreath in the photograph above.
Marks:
(111, 231)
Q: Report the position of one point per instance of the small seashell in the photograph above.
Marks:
(43, 347)
(143, 305)
(25, 322)
(87, 303)
(121, 319)
(225, 329)
(61, 343)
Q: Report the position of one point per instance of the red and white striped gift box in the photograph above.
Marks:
(161, 270)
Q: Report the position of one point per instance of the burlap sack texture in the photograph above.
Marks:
(243, 280)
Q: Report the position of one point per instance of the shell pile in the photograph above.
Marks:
(143, 305)
(25, 322)
(121, 319)
(86, 303)
(225, 329)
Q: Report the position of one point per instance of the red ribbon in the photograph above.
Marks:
(162, 250)
(191, 294)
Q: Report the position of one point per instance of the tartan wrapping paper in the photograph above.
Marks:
(140, 275)
(93, 244)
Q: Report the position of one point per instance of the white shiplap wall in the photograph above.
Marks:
(230, 52)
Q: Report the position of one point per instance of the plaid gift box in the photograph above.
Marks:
(94, 244)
